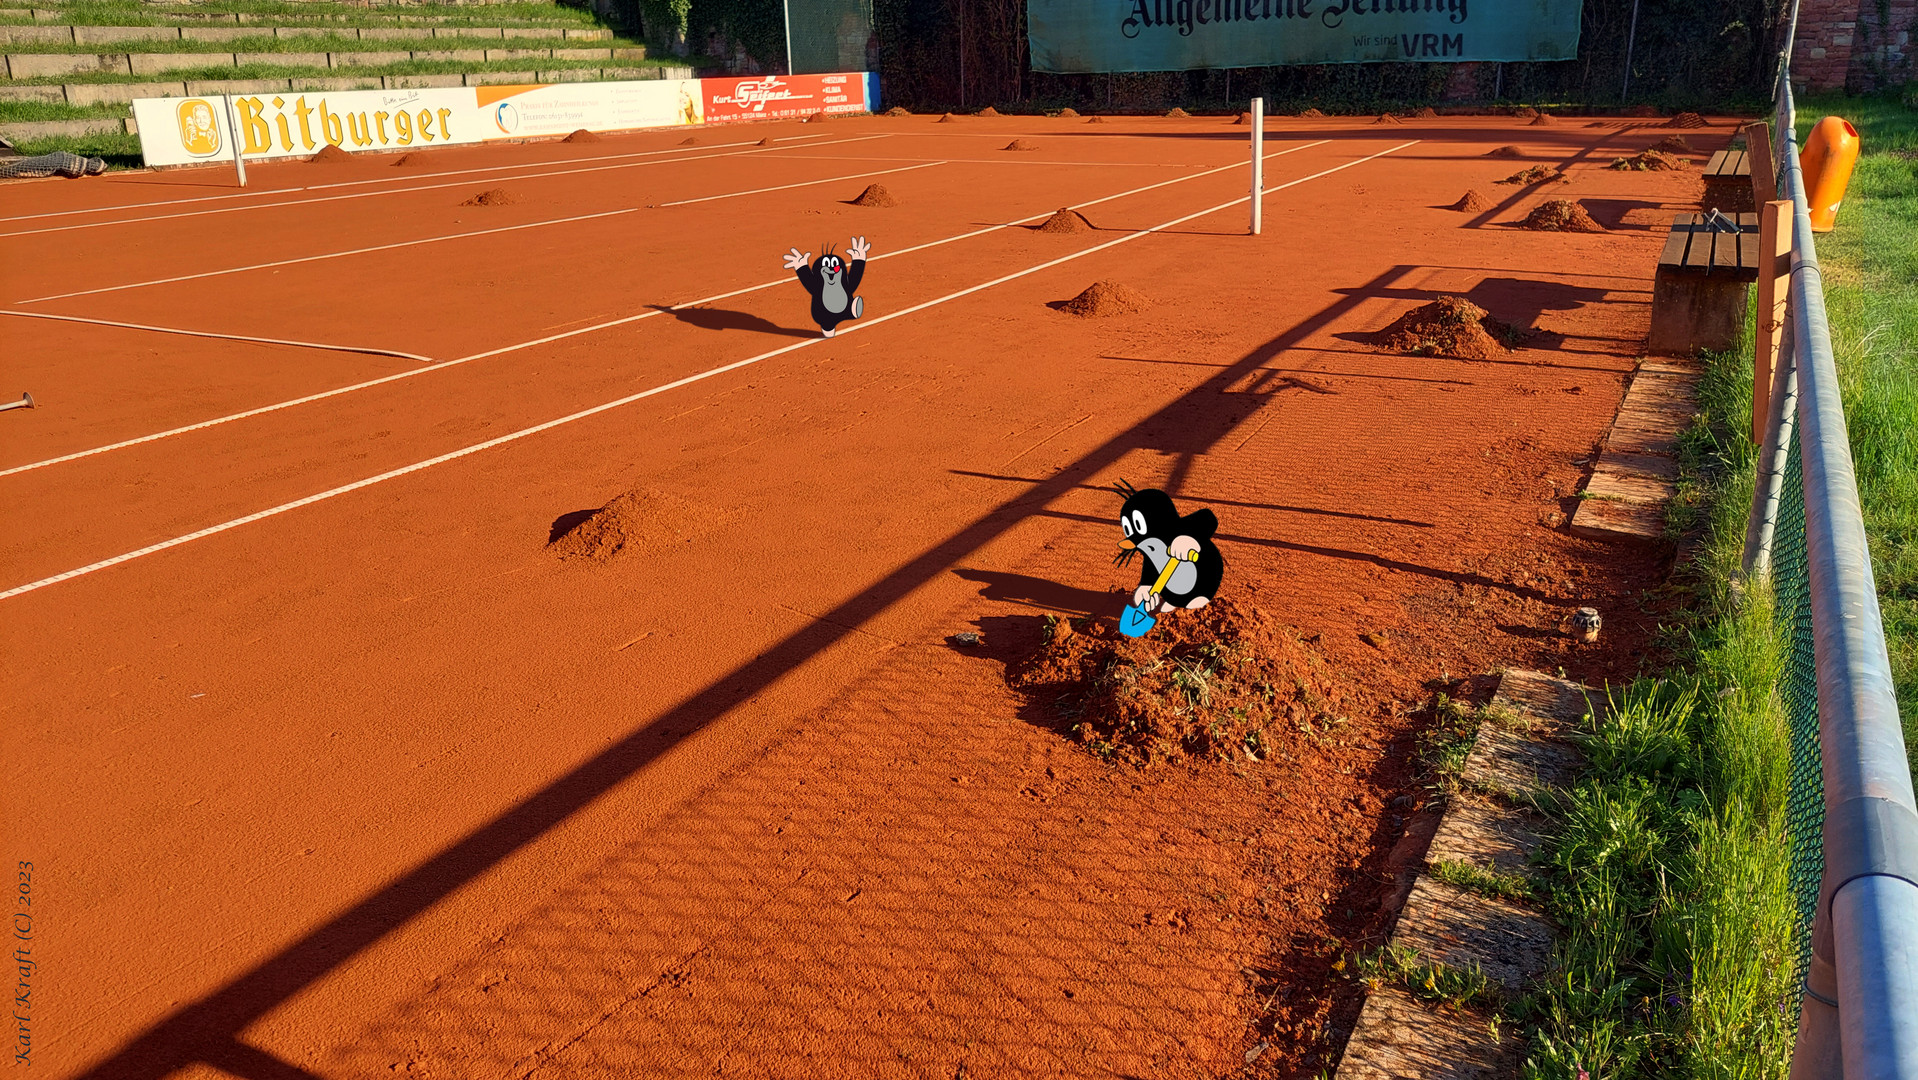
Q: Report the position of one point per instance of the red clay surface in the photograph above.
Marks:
(382, 785)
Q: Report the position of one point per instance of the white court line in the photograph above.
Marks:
(394, 191)
(609, 324)
(223, 337)
(265, 192)
(802, 183)
(595, 410)
(329, 255)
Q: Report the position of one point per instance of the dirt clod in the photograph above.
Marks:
(1505, 151)
(1647, 161)
(492, 197)
(1065, 220)
(1473, 202)
(1449, 326)
(581, 136)
(875, 195)
(1104, 299)
(330, 155)
(1687, 120)
(1560, 215)
(1224, 683)
(1022, 144)
(1537, 174)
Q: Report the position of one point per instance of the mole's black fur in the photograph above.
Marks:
(1151, 524)
(833, 280)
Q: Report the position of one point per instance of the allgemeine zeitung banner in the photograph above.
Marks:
(1078, 36)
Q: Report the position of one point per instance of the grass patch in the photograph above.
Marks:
(121, 151)
(1444, 984)
(289, 71)
(1474, 878)
(26, 112)
(1870, 266)
(138, 14)
(314, 44)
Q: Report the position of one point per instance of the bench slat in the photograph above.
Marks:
(1693, 248)
(1728, 165)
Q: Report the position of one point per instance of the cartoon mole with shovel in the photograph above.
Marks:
(1182, 568)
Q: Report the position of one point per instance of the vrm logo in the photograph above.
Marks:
(506, 117)
(199, 132)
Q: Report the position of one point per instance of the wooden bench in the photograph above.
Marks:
(1728, 182)
(1698, 295)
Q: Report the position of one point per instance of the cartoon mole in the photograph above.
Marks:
(832, 281)
(1152, 525)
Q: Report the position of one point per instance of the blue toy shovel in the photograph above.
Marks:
(1133, 621)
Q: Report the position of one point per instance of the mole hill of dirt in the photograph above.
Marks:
(1068, 112)
(1647, 161)
(1687, 120)
(493, 197)
(1311, 114)
(1449, 326)
(1177, 113)
(1065, 220)
(1473, 202)
(330, 155)
(1022, 144)
(1505, 151)
(1427, 113)
(413, 161)
(1673, 144)
(1104, 299)
(1226, 682)
(988, 111)
(1388, 118)
(1560, 215)
(580, 136)
(897, 111)
(875, 195)
(641, 522)
(1537, 174)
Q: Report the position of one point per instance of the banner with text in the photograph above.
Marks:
(180, 131)
(1076, 36)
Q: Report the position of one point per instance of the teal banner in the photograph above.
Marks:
(1072, 36)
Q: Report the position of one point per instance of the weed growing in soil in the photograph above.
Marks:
(1475, 878)
(1455, 987)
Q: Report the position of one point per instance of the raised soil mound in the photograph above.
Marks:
(1543, 119)
(875, 195)
(767, 141)
(329, 155)
(582, 135)
(1560, 215)
(897, 111)
(1449, 326)
(1244, 119)
(1021, 144)
(1095, 120)
(1647, 161)
(946, 119)
(988, 111)
(412, 161)
(1388, 118)
(1177, 113)
(1537, 174)
(1105, 299)
(641, 522)
(1224, 683)
(689, 141)
(1065, 220)
(1472, 202)
(1525, 113)
(1674, 144)
(1427, 113)
(1068, 112)
(1505, 151)
(1687, 120)
(815, 118)
(493, 197)
(1311, 114)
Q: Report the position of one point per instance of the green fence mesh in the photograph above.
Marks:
(831, 35)
(1805, 805)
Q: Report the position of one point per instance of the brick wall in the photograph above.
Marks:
(1850, 44)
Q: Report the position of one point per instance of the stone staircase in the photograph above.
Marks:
(64, 80)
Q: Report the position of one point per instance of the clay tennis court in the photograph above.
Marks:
(351, 772)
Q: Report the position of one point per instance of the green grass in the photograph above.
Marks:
(121, 151)
(20, 112)
(1870, 267)
(314, 44)
(289, 71)
(137, 14)
(1492, 883)
(1444, 984)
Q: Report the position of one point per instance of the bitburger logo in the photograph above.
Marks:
(199, 132)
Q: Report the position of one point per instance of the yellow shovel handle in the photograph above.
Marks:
(1165, 575)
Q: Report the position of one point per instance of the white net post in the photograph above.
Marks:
(233, 133)
(1258, 163)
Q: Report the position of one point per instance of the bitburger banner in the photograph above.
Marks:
(1077, 36)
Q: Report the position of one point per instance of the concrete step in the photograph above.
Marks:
(49, 34)
(44, 65)
(120, 93)
(42, 129)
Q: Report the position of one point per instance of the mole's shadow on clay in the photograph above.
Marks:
(1040, 593)
(722, 319)
(567, 522)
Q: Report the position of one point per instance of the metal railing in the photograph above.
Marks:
(1859, 1011)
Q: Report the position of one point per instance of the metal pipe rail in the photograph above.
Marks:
(1860, 1007)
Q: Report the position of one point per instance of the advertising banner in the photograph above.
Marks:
(1071, 36)
(773, 97)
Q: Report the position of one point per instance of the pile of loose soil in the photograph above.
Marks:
(1388, 118)
(329, 155)
(1449, 326)
(1525, 113)
(1687, 120)
(493, 197)
(582, 135)
(1537, 174)
(1674, 144)
(1021, 144)
(1560, 215)
(946, 119)
(1066, 220)
(1427, 113)
(767, 141)
(641, 521)
(1096, 120)
(412, 161)
(1068, 112)
(1106, 298)
(988, 111)
(1177, 113)
(1543, 119)
(1225, 683)
(1473, 202)
(1647, 161)
(1505, 151)
(875, 195)
(897, 111)
(1311, 114)
(689, 141)
(1244, 119)
(815, 118)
